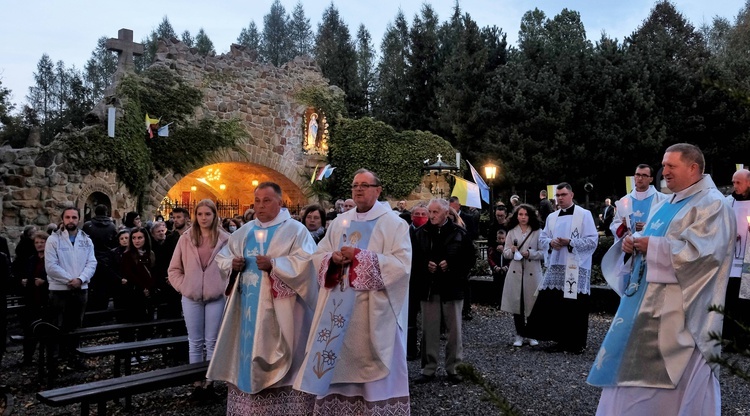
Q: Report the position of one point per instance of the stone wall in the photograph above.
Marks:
(261, 96)
(36, 183)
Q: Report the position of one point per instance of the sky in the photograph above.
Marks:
(69, 30)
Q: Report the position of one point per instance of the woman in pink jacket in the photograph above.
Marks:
(194, 273)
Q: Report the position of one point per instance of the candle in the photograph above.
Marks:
(260, 238)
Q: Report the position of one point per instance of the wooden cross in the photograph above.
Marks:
(125, 47)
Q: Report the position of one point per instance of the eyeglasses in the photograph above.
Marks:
(641, 175)
(363, 186)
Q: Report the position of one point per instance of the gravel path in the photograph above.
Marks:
(534, 382)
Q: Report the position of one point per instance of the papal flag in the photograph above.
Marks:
(111, 118)
(467, 193)
(739, 166)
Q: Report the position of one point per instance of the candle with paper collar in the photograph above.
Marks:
(260, 238)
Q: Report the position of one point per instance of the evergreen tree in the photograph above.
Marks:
(187, 39)
(250, 37)
(392, 92)
(462, 82)
(275, 45)
(99, 70)
(336, 55)
(151, 43)
(365, 74)
(300, 32)
(41, 94)
(423, 71)
(6, 107)
(203, 43)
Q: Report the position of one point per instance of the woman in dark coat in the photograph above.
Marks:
(35, 290)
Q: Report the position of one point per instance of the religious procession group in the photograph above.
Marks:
(318, 315)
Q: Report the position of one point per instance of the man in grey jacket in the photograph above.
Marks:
(70, 263)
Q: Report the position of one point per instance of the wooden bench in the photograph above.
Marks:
(112, 389)
(89, 331)
(124, 350)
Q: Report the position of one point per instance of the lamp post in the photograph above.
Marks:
(490, 173)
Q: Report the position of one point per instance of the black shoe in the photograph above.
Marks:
(455, 379)
(412, 357)
(468, 316)
(423, 378)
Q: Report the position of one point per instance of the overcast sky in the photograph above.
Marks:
(68, 30)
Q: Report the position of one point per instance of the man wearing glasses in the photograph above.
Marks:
(642, 199)
(655, 356)
(356, 353)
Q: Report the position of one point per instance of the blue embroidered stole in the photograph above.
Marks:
(641, 208)
(604, 371)
(331, 329)
(248, 288)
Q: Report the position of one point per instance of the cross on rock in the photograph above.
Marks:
(125, 47)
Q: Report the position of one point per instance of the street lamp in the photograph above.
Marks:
(490, 173)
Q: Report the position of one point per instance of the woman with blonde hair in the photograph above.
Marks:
(194, 273)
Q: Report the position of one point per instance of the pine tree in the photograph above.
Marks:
(6, 107)
(335, 54)
(365, 73)
(300, 32)
(391, 95)
(275, 45)
(187, 39)
(423, 71)
(203, 43)
(99, 70)
(250, 38)
(41, 95)
(151, 43)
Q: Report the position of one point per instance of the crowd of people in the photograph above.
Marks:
(319, 313)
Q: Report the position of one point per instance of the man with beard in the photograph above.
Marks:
(102, 232)
(70, 262)
(170, 300)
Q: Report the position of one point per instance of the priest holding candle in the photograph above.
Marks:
(272, 297)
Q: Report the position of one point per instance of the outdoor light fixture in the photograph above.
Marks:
(223, 186)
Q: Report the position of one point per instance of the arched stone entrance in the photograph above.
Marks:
(94, 199)
(231, 185)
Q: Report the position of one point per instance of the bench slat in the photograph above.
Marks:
(116, 388)
(97, 350)
(88, 330)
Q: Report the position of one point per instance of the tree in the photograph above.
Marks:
(187, 39)
(336, 55)
(275, 45)
(362, 99)
(41, 94)
(392, 93)
(300, 32)
(99, 70)
(423, 70)
(6, 107)
(250, 38)
(203, 43)
(151, 43)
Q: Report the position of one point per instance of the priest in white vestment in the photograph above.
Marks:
(561, 311)
(638, 204)
(655, 357)
(272, 297)
(737, 302)
(356, 355)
